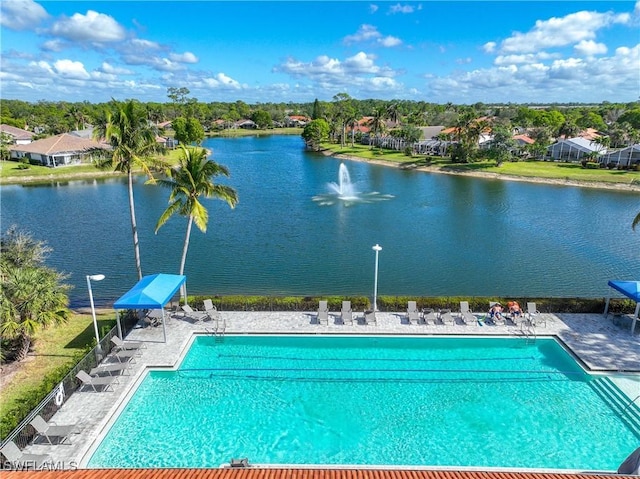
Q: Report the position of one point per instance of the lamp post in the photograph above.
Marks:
(377, 248)
(94, 277)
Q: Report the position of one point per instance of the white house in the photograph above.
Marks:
(18, 135)
(574, 149)
(59, 150)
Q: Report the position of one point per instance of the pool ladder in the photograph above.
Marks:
(528, 332)
(218, 330)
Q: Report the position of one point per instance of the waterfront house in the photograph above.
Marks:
(18, 136)
(623, 157)
(574, 149)
(59, 150)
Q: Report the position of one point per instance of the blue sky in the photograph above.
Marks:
(278, 51)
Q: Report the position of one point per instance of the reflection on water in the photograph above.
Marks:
(441, 234)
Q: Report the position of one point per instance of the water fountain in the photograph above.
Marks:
(344, 192)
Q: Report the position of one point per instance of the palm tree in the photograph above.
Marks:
(376, 123)
(32, 296)
(188, 181)
(132, 139)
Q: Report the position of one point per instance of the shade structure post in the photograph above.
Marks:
(606, 306)
(118, 324)
(635, 318)
(164, 327)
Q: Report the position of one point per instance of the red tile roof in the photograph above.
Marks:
(63, 143)
(17, 133)
(268, 473)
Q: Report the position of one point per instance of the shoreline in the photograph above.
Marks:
(495, 176)
(94, 175)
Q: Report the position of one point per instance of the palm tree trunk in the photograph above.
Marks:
(183, 260)
(134, 227)
(23, 349)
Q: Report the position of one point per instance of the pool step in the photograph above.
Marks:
(620, 404)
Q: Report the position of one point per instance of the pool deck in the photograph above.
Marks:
(595, 340)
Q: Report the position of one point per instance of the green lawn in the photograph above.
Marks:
(525, 169)
(53, 348)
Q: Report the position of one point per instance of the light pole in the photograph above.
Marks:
(94, 277)
(377, 248)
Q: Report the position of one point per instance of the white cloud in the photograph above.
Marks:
(186, 57)
(21, 14)
(558, 32)
(92, 27)
(373, 8)
(524, 58)
(589, 48)
(389, 41)
(140, 43)
(56, 45)
(397, 8)
(221, 80)
(110, 69)
(463, 61)
(71, 69)
(369, 33)
(490, 47)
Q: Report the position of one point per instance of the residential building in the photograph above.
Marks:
(59, 150)
(574, 149)
(18, 135)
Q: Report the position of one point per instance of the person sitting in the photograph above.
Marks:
(495, 313)
(514, 309)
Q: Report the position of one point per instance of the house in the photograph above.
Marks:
(430, 132)
(166, 142)
(622, 158)
(164, 124)
(87, 133)
(18, 135)
(523, 140)
(296, 120)
(59, 150)
(574, 149)
(246, 124)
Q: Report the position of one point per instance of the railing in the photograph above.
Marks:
(24, 433)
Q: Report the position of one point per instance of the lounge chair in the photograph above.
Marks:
(127, 345)
(466, 315)
(194, 315)
(128, 355)
(323, 312)
(533, 315)
(346, 314)
(370, 317)
(114, 369)
(153, 318)
(495, 319)
(49, 430)
(211, 311)
(429, 314)
(19, 460)
(412, 312)
(445, 316)
(104, 383)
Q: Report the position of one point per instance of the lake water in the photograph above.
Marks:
(440, 234)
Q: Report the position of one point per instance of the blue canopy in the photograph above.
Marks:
(151, 292)
(631, 289)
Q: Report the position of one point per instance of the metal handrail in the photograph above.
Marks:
(631, 402)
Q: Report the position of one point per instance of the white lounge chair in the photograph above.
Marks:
(49, 430)
(192, 314)
(18, 460)
(104, 383)
(346, 314)
(211, 311)
(114, 369)
(323, 312)
(370, 317)
(412, 312)
(533, 315)
(445, 316)
(429, 314)
(466, 315)
(127, 345)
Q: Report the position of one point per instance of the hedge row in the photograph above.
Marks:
(399, 303)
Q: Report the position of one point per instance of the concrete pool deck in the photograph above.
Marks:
(595, 340)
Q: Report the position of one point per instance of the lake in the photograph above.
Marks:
(440, 234)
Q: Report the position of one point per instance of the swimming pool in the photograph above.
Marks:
(480, 402)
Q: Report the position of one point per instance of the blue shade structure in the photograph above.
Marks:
(151, 292)
(631, 289)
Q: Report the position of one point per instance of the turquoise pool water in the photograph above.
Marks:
(369, 400)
